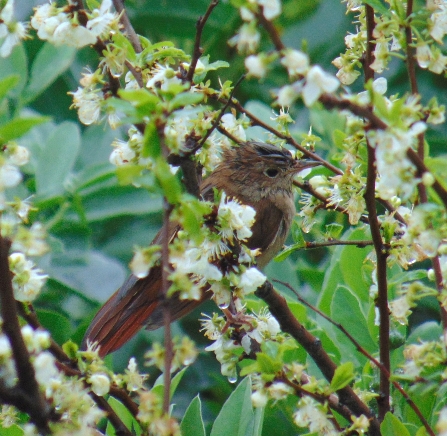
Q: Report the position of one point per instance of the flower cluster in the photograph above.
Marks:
(313, 81)
(254, 328)
(63, 26)
(11, 31)
(185, 353)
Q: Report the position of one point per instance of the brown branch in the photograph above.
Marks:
(115, 420)
(169, 352)
(37, 408)
(382, 285)
(124, 20)
(422, 168)
(136, 73)
(197, 49)
(230, 136)
(271, 30)
(289, 324)
(411, 65)
(332, 242)
(361, 350)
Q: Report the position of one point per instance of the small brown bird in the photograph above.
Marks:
(256, 174)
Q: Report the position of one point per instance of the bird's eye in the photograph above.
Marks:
(271, 172)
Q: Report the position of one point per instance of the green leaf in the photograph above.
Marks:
(151, 142)
(56, 159)
(93, 4)
(391, 426)
(15, 64)
(192, 422)
(140, 98)
(57, 324)
(169, 183)
(343, 375)
(7, 84)
(184, 99)
(159, 383)
(14, 430)
(123, 413)
(346, 310)
(127, 174)
(49, 64)
(236, 415)
(378, 6)
(19, 126)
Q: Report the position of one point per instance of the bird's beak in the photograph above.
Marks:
(301, 164)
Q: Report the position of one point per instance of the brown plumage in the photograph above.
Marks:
(256, 174)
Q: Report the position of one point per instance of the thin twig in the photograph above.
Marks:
(271, 30)
(124, 20)
(197, 49)
(411, 65)
(169, 353)
(331, 243)
(361, 350)
(27, 386)
(115, 420)
(289, 324)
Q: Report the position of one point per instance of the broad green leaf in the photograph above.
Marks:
(49, 64)
(19, 126)
(128, 173)
(378, 6)
(184, 99)
(391, 426)
(151, 141)
(169, 183)
(114, 201)
(14, 430)
(56, 159)
(139, 97)
(7, 84)
(15, 64)
(56, 324)
(346, 310)
(343, 375)
(126, 417)
(236, 415)
(158, 385)
(345, 266)
(192, 422)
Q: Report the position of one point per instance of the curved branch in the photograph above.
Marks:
(289, 324)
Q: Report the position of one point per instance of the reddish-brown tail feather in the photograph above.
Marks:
(134, 306)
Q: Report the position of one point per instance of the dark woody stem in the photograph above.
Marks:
(25, 395)
(361, 350)
(289, 324)
(124, 20)
(197, 49)
(418, 157)
(383, 400)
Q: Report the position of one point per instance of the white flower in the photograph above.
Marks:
(20, 156)
(248, 38)
(317, 83)
(102, 18)
(279, 390)
(441, 425)
(400, 310)
(45, 368)
(121, 153)
(10, 176)
(88, 103)
(271, 8)
(27, 281)
(259, 399)
(423, 54)
(287, 95)
(164, 75)
(251, 279)
(73, 35)
(255, 66)
(235, 217)
(100, 384)
(295, 61)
